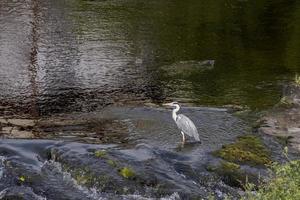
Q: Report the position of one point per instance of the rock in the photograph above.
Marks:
(294, 130)
(15, 133)
(3, 121)
(233, 175)
(248, 149)
(4, 107)
(19, 193)
(274, 132)
(7, 129)
(283, 121)
(22, 122)
(188, 67)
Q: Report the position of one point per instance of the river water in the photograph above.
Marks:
(93, 74)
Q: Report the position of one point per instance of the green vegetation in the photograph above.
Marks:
(82, 177)
(232, 174)
(127, 172)
(22, 178)
(284, 184)
(87, 177)
(248, 149)
(100, 153)
(229, 166)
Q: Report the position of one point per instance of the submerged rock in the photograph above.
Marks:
(19, 193)
(188, 67)
(100, 153)
(127, 172)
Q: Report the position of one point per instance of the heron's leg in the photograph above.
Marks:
(183, 137)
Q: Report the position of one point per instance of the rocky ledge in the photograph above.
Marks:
(283, 121)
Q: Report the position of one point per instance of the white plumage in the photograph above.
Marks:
(185, 125)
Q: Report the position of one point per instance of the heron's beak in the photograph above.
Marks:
(167, 104)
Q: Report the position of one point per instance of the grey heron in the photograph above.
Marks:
(185, 125)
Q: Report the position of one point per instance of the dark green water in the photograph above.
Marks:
(74, 55)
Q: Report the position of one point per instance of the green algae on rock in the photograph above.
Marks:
(100, 153)
(22, 178)
(127, 172)
(248, 149)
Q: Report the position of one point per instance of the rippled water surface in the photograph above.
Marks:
(75, 55)
(91, 75)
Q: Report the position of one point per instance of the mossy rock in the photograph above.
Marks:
(248, 149)
(127, 172)
(89, 179)
(232, 174)
(100, 153)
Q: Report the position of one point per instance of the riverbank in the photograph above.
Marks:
(283, 121)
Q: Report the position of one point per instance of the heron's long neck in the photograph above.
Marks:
(174, 115)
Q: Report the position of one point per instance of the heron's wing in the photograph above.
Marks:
(187, 126)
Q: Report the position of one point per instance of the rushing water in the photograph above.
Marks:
(95, 71)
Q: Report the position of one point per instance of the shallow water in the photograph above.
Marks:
(56, 170)
(143, 138)
(93, 73)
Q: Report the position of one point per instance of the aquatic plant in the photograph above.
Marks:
(127, 172)
(100, 153)
(248, 149)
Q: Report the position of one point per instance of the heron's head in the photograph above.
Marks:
(172, 104)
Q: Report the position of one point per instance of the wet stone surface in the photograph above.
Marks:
(283, 121)
(60, 170)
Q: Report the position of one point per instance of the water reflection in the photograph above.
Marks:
(33, 65)
(72, 55)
